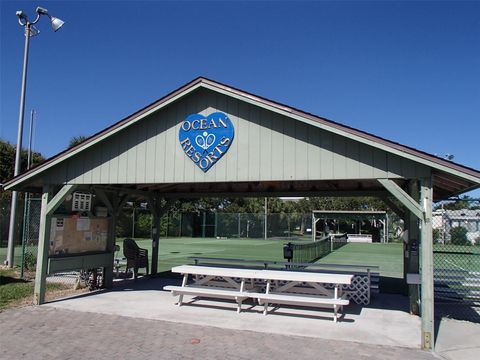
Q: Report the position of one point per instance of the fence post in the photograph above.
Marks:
(180, 226)
(266, 215)
(133, 221)
(26, 217)
(239, 225)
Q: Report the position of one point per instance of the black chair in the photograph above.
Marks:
(136, 257)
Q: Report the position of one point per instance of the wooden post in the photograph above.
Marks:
(111, 240)
(114, 205)
(48, 206)
(155, 244)
(157, 211)
(412, 251)
(43, 246)
(420, 211)
(426, 256)
(157, 215)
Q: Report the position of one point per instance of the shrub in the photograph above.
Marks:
(458, 236)
(437, 236)
(30, 261)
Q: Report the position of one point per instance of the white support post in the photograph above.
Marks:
(335, 306)
(184, 283)
(239, 299)
(267, 291)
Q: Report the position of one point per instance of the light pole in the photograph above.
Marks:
(30, 30)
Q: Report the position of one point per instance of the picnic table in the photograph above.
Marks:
(264, 286)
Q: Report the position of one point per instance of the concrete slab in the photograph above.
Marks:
(384, 322)
(458, 340)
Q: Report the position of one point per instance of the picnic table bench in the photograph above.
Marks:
(264, 286)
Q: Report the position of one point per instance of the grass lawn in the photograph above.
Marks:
(176, 251)
(16, 292)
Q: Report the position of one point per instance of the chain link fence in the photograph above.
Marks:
(31, 225)
(236, 225)
(456, 237)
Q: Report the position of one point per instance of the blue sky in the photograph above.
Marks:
(406, 71)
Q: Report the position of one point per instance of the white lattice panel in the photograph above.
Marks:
(358, 291)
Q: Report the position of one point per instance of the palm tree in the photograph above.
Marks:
(75, 140)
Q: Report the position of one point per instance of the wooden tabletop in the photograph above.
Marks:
(264, 274)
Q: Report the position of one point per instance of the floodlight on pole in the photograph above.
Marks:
(56, 23)
(30, 30)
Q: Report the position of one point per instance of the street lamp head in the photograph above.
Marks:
(21, 15)
(56, 23)
(22, 18)
(41, 11)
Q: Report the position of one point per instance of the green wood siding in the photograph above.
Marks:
(267, 146)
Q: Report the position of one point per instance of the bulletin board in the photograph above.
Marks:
(77, 235)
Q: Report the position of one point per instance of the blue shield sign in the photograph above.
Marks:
(205, 139)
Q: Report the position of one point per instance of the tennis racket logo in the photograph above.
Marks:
(205, 140)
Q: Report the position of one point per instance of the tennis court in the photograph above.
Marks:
(456, 257)
(176, 251)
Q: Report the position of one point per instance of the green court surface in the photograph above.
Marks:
(388, 257)
(176, 251)
(456, 258)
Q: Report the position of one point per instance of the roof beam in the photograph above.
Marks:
(122, 190)
(447, 186)
(403, 197)
(450, 181)
(55, 202)
(253, 193)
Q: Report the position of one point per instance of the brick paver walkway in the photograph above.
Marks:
(49, 333)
